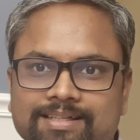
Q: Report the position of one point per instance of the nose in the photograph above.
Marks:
(64, 89)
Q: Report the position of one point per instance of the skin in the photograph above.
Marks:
(67, 33)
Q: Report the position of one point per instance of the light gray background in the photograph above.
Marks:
(6, 6)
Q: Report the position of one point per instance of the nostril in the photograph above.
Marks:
(64, 92)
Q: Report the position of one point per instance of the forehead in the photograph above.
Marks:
(68, 31)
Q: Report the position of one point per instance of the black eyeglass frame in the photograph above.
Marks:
(68, 65)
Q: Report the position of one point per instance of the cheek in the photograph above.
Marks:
(106, 108)
(23, 102)
(104, 104)
(20, 109)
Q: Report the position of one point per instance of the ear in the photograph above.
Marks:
(126, 90)
(9, 75)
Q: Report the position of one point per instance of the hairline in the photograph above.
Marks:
(26, 16)
(126, 46)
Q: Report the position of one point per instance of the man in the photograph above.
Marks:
(70, 72)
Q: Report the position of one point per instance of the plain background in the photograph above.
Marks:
(6, 6)
(130, 124)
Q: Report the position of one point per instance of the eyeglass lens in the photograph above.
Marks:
(88, 75)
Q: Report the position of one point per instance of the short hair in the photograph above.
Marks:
(122, 21)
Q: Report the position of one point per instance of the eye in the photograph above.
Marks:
(90, 70)
(40, 67)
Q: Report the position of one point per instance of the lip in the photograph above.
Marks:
(62, 121)
(63, 124)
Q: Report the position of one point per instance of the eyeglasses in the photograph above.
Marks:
(87, 74)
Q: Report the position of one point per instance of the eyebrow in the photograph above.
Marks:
(93, 56)
(36, 54)
(43, 55)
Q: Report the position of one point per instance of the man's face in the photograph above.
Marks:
(67, 33)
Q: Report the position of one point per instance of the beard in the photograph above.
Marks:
(84, 134)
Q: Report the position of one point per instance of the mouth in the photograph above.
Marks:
(63, 115)
(65, 120)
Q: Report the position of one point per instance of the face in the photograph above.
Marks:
(68, 33)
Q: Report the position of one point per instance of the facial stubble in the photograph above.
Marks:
(36, 134)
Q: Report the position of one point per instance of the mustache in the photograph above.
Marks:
(85, 114)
